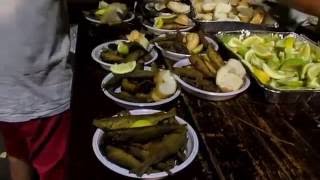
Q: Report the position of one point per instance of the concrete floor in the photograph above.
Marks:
(4, 172)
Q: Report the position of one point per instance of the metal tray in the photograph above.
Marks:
(215, 26)
(271, 94)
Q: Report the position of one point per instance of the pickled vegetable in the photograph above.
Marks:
(159, 150)
(121, 122)
(140, 134)
(122, 158)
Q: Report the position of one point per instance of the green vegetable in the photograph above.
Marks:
(122, 158)
(140, 134)
(198, 49)
(160, 150)
(121, 122)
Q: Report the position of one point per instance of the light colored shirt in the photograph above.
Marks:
(35, 77)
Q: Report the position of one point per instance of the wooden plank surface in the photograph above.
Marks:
(243, 138)
(250, 139)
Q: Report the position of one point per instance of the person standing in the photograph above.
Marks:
(35, 87)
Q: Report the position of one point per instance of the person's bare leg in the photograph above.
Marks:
(19, 169)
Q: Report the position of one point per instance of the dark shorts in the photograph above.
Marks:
(40, 142)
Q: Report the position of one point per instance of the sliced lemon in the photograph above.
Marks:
(252, 40)
(251, 57)
(305, 52)
(291, 82)
(317, 53)
(249, 66)
(305, 70)
(263, 77)
(290, 53)
(314, 83)
(282, 55)
(270, 45)
(123, 67)
(274, 62)
(280, 43)
(261, 51)
(234, 43)
(313, 71)
(292, 63)
(272, 73)
(289, 42)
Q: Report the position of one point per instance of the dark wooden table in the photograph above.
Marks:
(243, 138)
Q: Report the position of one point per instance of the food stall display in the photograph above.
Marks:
(174, 95)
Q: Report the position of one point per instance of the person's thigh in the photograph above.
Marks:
(49, 145)
(14, 140)
(42, 143)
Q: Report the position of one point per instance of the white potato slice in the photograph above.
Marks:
(236, 68)
(166, 85)
(234, 2)
(178, 7)
(245, 11)
(220, 16)
(208, 7)
(227, 81)
(206, 17)
(244, 18)
(223, 8)
(198, 7)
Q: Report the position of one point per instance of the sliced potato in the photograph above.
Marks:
(206, 17)
(244, 18)
(193, 41)
(220, 16)
(234, 2)
(223, 8)
(245, 11)
(227, 81)
(166, 85)
(183, 20)
(236, 68)
(208, 7)
(258, 17)
(178, 7)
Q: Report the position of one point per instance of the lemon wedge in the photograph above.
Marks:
(123, 68)
(252, 40)
(234, 43)
(263, 77)
(305, 52)
(313, 71)
(272, 73)
(261, 51)
(305, 70)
